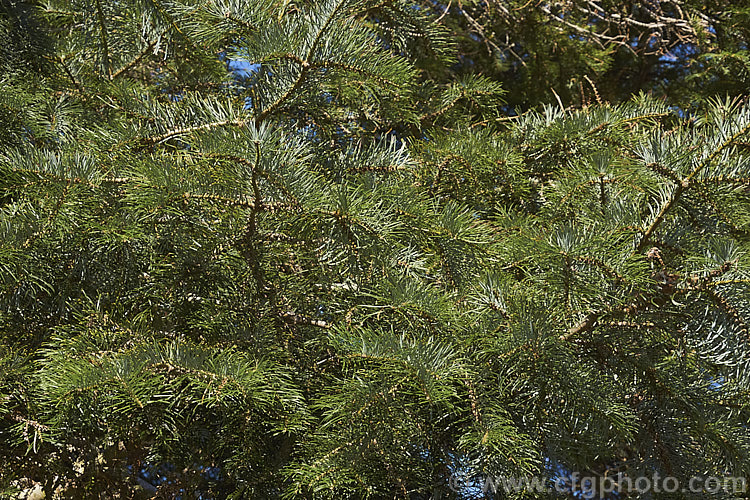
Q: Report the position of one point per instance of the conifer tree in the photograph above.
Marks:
(587, 51)
(261, 249)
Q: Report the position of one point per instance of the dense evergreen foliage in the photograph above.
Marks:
(353, 248)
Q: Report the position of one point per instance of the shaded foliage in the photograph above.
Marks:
(346, 270)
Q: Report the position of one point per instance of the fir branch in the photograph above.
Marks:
(716, 152)
(674, 198)
(721, 179)
(103, 38)
(731, 311)
(127, 67)
(237, 122)
(664, 171)
(274, 106)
